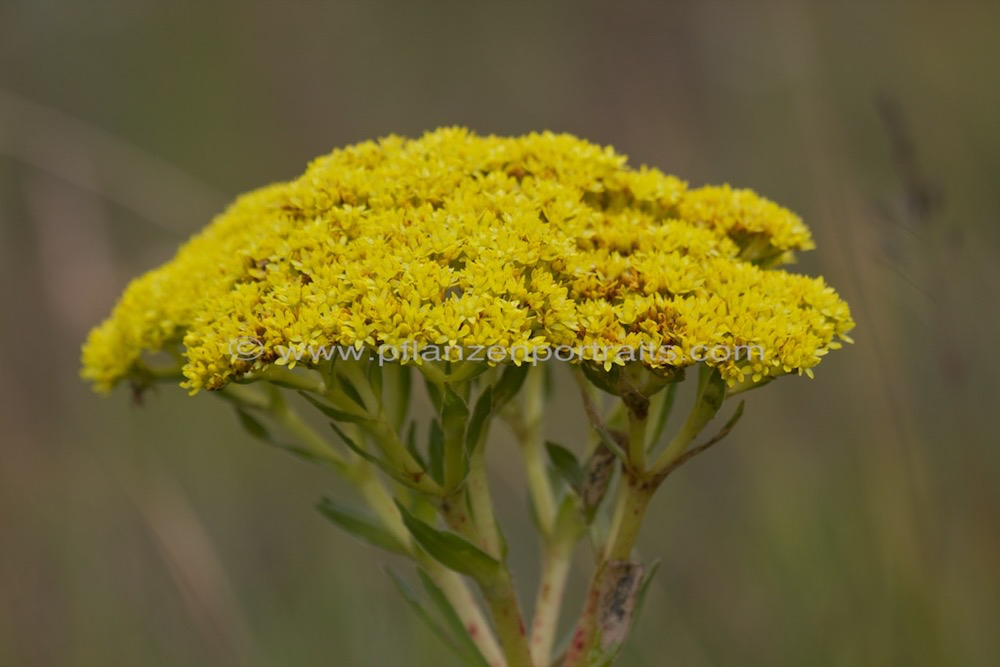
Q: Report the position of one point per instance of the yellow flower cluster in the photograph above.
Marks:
(457, 239)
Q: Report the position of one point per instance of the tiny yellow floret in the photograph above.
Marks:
(455, 239)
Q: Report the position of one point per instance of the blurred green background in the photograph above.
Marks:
(850, 520)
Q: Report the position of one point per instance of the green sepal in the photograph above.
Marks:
(452, 550)
(361, 525)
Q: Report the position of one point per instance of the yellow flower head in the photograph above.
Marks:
(542, 240)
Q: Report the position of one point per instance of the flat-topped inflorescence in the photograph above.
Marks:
(455, 239)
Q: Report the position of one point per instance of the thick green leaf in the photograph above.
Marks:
(566, 464)
(469, 649)
(451, 550)
(361, 525)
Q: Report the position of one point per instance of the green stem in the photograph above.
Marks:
(455, 510)
(502, 601)
(477, 485)
(638, 486)
(354, 373)
(556, 560)
(361, 474)
(530, 438)
(451, 584)
(480, 528)
(384, 434)
(454, 463)
(454, 588)
(711, 394)
(634, 501)
(633, 504)
(637, 440)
